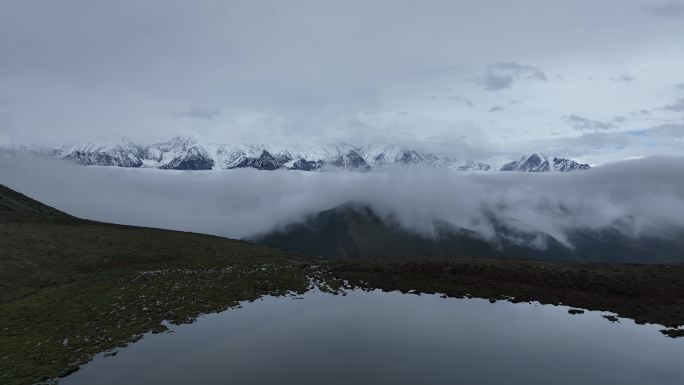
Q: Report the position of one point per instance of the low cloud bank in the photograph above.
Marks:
(635, 197)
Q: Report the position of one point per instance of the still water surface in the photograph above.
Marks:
(393, 338)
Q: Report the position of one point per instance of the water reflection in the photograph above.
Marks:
(393, 338)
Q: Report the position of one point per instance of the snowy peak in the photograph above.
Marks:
(351, 159)
(564, 165)
(536, 162)
(188, 153)
(178, 154)
(263, 160)
(390, 154)
(338, 155)
(262, 157)
(472, 165)
(104, 145)
(119, 152)
(539, 162)
(192, 158)
(457, 164)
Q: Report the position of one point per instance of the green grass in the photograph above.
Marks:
(48, 334)
(70, 288)
(99, 286)
(38, 255)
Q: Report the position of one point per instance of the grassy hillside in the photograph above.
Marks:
(70, 288)
(41, 246)
(17, 206)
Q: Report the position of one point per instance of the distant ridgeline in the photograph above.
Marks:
(190, 154)
(354, 231)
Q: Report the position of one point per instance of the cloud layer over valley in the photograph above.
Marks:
(635, 197)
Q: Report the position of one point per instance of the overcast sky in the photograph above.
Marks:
(592, 80)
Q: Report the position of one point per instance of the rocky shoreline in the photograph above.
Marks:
(645, 293)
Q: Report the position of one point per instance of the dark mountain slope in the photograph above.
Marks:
(18, 205)
(355, 232)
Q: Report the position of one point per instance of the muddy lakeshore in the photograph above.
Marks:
(644, 293)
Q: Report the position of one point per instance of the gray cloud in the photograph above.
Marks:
(461, 99)
(584, 124)
(495, 82)
(496, 109)
(672, 9)
(677, 106)
(519, 70)
(641, 113)
(669, 132)
(622, 78)
(636, 197)
(199, 113)
(502, 75)
(600, 147)
(679, 86)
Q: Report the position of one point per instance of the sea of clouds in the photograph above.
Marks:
(637, 197)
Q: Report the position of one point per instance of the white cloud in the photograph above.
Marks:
(646, 194)
(584, 124)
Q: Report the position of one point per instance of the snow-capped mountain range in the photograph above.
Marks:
(185, 153)
(541, 163)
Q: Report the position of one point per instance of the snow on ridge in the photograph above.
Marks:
(539, 162)
(191, 153)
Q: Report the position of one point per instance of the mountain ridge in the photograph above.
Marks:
(538, 162)
(355, 231)
(188, 153)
